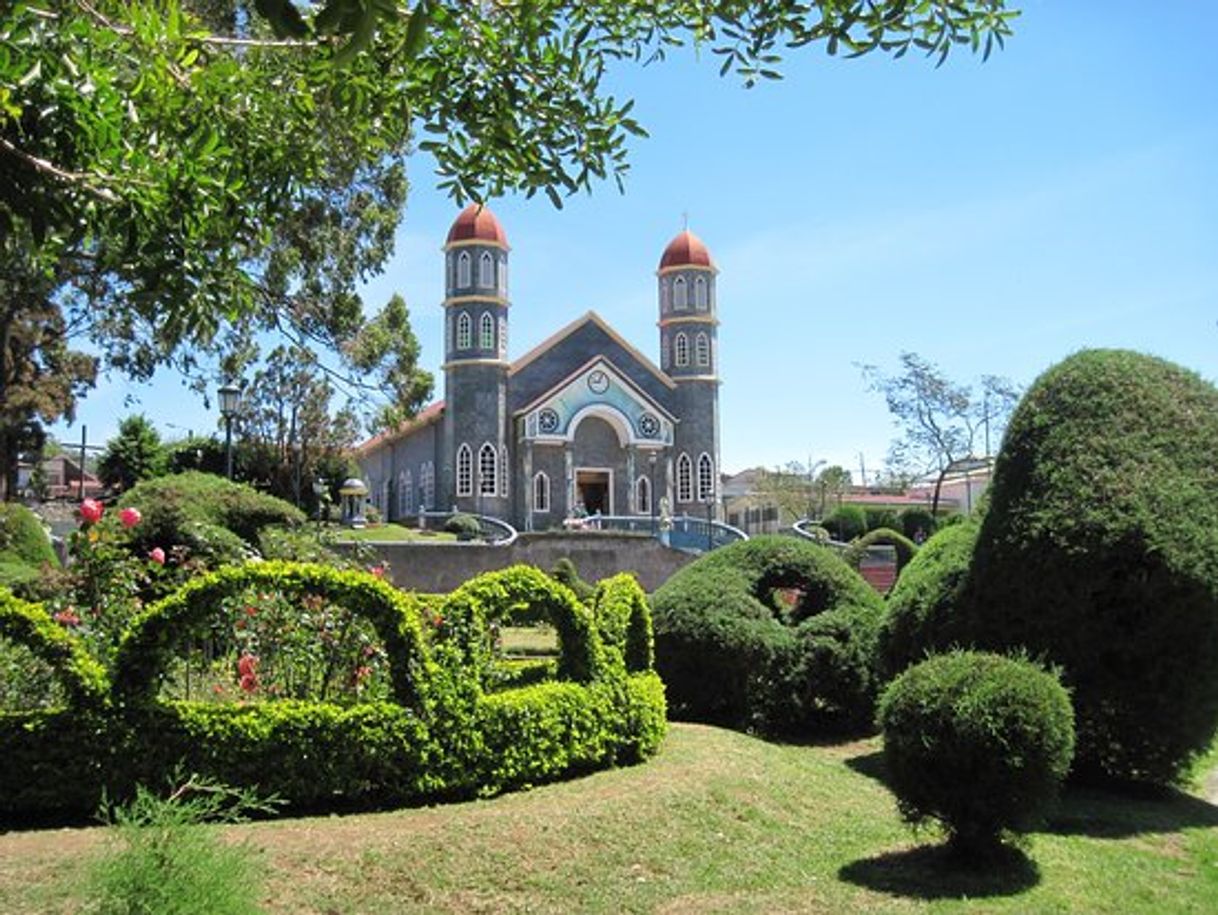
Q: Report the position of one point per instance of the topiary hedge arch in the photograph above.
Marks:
(166, 626)
(442, 736)
(732, 653)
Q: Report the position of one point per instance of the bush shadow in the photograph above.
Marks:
(1106, 813)
(870, 765)
(935, 872)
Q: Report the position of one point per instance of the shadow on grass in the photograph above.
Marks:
(933, 872)
(1110, 814)
(870, 765)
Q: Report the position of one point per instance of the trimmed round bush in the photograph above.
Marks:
(771, 634)
(923, 608)
(24, 545)
(1099, 552)
(846, 522)
(214, 518)
(466, 527)
(978, 742)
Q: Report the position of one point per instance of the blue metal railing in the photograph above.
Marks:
(687, 532)
(493, 530)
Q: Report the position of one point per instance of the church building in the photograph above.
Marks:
(580, 424)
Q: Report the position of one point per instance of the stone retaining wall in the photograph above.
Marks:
(441, 567)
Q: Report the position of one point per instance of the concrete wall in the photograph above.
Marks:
(439, 567)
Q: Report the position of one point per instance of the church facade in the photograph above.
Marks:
(582, 423)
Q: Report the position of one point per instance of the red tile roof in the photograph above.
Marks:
(429, 414)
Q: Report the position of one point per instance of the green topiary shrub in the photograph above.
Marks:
(905, 548)
(918, 524)
(441, 734)
(564, 572)
(846, 522)
(24, 546)
(215, 519)
(879, 518)
(466, 527)
(734, 650)
(977, 742)
(1099, 551)
(923, 608)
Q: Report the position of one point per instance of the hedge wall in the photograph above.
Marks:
(444, 736)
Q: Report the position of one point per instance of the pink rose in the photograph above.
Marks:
(91, 510)
(157, 555)
(66, 617)
(130, 517)
(378, 571)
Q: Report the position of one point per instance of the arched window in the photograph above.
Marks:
(541, 492)
(681, 346)
(463, 266)
(465, 331)
(503, 277)
(706, 478)
(450, 323)
(503, 471)
(664, 351)
(486, 331)
(486, 469)
(680, 299)
(700, 293)
(642, 495)
(685, 479)
(702, 350)
(427, 477)
(450, 272)
(404, 494)
(503, 337)
(465, 471)
(665, 299)
(486, 271)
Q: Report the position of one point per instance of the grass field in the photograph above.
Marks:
(394, 533)
(719, 822)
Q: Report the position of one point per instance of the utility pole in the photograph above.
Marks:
(862, 470)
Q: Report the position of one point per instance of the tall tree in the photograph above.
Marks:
(192, 173)
(832, 483)
(941, 421)
(286, 419)
(135, 454)
(41, 377)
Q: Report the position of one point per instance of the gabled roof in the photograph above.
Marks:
(620, 376)
(425, 417)
(593, 318)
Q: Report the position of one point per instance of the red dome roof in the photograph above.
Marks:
(477, 223)
(686, 250)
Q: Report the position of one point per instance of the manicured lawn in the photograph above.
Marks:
(719, 822)
(391, 533)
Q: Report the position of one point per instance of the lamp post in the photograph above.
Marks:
(651, 491)
(319, 490)
(230, 399)
(710, 518)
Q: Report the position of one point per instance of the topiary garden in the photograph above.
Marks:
(331, 690)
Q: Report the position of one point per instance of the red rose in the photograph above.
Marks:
(157, 555)
(377, 571)
(67, 618)
(91, 510)
(130, 517)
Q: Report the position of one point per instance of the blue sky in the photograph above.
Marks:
(993, 217)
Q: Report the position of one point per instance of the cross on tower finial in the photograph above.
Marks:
(685, 220)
